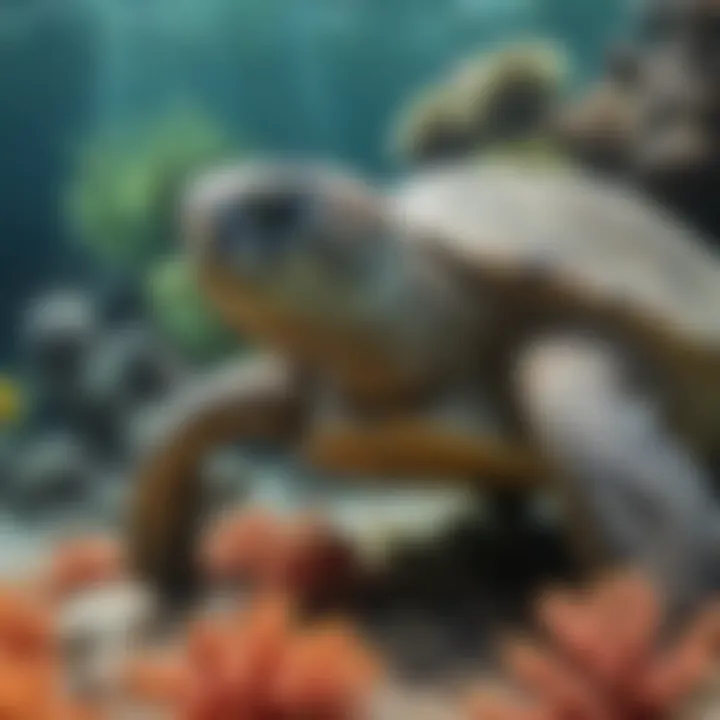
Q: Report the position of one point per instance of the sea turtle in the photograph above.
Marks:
(492, 322)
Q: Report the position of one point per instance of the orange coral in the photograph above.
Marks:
(305, 556)
(325, 672)
(602, 659)
(156, 680)
(27, 633)
(263, 665)
(31, 685)
(243, 546)
(82, 563)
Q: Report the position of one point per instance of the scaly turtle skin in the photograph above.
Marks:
(495, 324)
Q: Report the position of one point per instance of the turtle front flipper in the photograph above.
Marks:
(256, 399)
(647, 498)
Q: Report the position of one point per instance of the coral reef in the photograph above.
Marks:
(429, 600)
(79, 640)
(31, 664)
(489, 101)
(605, 654)
(261, 663)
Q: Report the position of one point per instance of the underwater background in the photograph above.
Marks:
(313, 76)
(145, 568)
(106, 107)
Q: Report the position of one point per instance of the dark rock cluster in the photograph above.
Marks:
(653, 119)
(91, 375)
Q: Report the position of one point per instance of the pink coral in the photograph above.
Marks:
(601, 658)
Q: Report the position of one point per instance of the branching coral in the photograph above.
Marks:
(601, 653)
(31, 681)
(262, 664)
(602, 658)
(487, 101)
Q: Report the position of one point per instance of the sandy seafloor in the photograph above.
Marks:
(380, 512)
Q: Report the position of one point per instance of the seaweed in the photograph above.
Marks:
(488, 102)
(122, 200)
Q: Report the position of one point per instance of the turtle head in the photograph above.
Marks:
(302, 239)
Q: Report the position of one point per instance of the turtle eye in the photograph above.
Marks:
(261, 227)
(276, 214)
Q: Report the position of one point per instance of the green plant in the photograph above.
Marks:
(122, 200)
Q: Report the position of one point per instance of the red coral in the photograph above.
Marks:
(318, 561)
(304, 556)
(602, 659)
(262, 665)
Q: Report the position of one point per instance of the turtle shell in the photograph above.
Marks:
(559, 243)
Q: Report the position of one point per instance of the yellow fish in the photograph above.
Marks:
(12, 401)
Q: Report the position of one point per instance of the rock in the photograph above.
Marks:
(653, 119)
(52, 474)
(100, 630)
(130, 370)
(58, 332)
